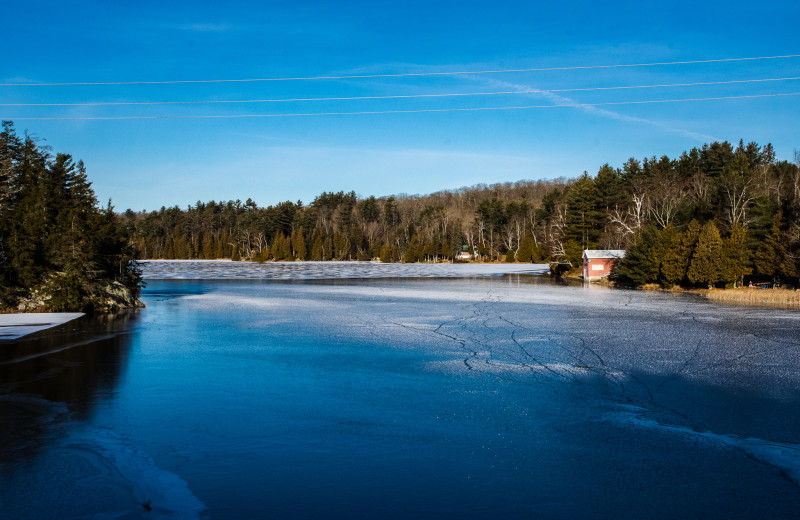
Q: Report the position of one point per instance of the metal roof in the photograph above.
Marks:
(604, 253)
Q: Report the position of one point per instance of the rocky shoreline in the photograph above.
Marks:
(100, 296)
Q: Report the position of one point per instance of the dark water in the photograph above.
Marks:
(506, 397)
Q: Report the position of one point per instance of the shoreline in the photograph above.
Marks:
(787, 298)
(750, 296)
(19, 324)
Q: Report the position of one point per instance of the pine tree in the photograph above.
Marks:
(9, 148)
(299, 245)
(285, 248)
(385, 254)
(674, 261)
(316, 249)
(735, 256)
(678, 252)
(327, 248)
(52, 234)
(208, 252)
(29, 222)
(573, 252)
(341, 246)
(221, 246)
(642, 261)
(772, 257)
(413, 250)
(526, 249)
(445, 250)
(706, 264)
(584, 222)
(610, 190)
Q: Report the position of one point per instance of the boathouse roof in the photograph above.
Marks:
(603, 253)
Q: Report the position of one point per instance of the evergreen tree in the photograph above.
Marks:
(642, 262)
(385, 254)
(316, 249)
(573, 252)
(208, 251)
(678, 248)
(299, 245)
(715, 183)
(735, 256)
(494, 217)
(609, 188)
(526, 249)
(413, 251)
(52, 234)
(341, 246)
(772, 257)
(584, 222)
(705, 266)
(390, 215)
(327, 248)
(285, 248)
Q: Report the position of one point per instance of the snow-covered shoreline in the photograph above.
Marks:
(13, 326)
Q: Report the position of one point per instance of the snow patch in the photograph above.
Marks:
(13, 326)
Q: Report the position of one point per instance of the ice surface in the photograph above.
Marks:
(227, 270)
(99, 474)
(782, 455)
(348, 390)
(166, 493)
(13, 326)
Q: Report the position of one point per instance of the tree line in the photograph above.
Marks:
(737, 207)
(53, 235)
(710, 217)
(342, 226)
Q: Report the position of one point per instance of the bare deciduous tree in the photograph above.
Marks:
(666, 194)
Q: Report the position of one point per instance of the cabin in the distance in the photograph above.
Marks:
(597, 262)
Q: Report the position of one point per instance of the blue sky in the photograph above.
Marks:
(144, 164)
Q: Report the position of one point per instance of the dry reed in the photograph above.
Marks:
(787, 297)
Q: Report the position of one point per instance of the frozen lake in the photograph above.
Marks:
(308, 391)
(13, 326)
(227, 270)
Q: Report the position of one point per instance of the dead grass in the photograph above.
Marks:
(786, 297)
(651, 287)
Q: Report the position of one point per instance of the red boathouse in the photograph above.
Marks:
(597, 262)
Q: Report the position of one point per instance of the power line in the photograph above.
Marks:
(399, 75)
(409, 96)
(376, 112)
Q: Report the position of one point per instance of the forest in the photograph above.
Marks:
(59, 251)
(711, 217)
(715, 216)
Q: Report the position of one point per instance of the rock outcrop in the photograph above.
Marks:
(60, 293)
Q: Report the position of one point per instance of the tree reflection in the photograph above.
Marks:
(58, 374)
